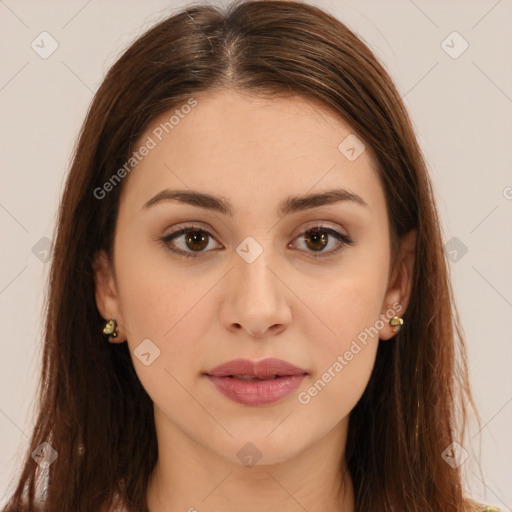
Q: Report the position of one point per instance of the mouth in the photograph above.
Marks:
(246, 369)
(256, 383)
(253, 378)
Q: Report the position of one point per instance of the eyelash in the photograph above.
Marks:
(342, 238)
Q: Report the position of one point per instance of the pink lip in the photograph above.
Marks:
(280, 380)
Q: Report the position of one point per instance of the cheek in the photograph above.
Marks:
(350, 307)
(159, 310)
(345, 356)
(350, 302)
(343, 362)
(155, 290)
(160, 334)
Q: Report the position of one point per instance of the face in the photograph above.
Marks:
(259, 272)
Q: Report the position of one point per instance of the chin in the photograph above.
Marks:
(254, 446)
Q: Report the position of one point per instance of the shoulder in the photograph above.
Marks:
(484, 508)
(474, 506)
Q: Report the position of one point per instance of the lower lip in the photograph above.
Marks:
(257, 392)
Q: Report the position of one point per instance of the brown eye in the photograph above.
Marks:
(195, 241)
(192, 241)
(318, 238)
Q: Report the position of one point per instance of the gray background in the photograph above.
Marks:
(461, 109)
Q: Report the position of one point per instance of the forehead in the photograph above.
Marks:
(252, 150)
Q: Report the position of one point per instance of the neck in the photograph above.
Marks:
(190, 477)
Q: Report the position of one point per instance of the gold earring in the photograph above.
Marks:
(397, 323)
(111, 328)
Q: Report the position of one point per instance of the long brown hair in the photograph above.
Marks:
(93, 410)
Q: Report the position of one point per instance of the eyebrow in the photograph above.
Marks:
(287, 206)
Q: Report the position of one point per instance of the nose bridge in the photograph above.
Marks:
(255, 258)
(255, 294)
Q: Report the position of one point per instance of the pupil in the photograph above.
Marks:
(197, 237)
(316, 236)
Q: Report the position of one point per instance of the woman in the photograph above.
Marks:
(249, 306)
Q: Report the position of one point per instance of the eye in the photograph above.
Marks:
(317, 238)
(196, 240)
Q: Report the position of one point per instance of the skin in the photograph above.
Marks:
(201, 312)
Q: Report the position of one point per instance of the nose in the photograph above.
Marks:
(256, 295)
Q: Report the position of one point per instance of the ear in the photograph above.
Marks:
(107, 299)
(398, 294)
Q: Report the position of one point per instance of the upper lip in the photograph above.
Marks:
(264, 368)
